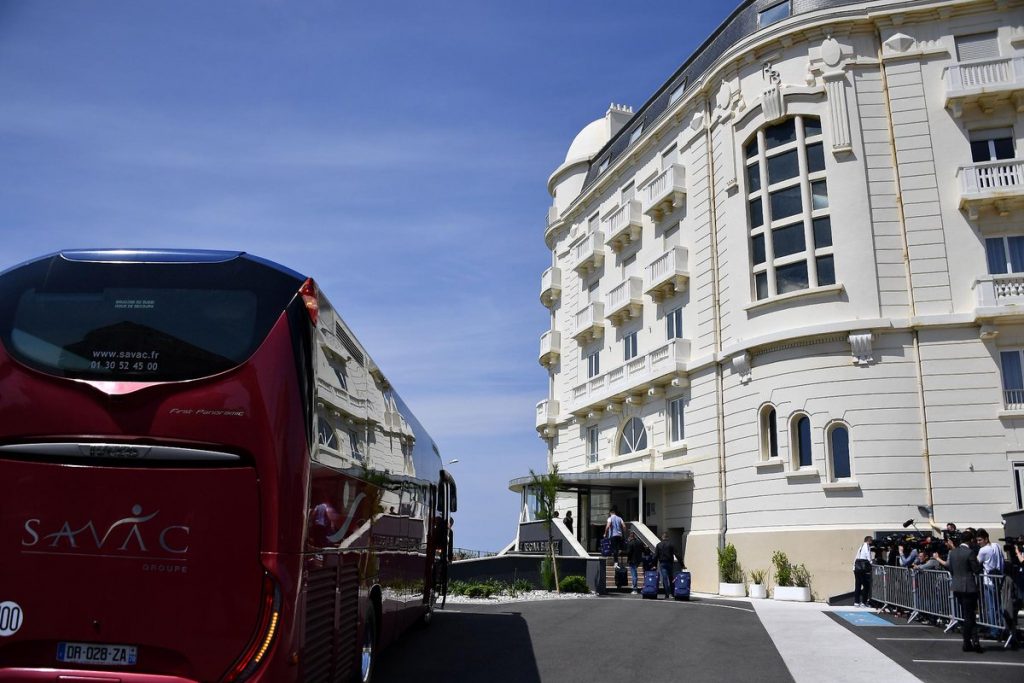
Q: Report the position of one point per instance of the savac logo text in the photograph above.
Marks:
(131, 534)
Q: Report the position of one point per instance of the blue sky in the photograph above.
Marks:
(396, 151)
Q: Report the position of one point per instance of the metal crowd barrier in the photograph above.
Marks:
(929, 593)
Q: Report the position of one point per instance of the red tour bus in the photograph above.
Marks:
(203, 476)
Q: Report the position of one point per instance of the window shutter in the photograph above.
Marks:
(977, 46)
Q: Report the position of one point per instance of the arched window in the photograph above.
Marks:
(769, 433)
(800, 441)
(634, 437)
(787, 206)
(839, 452)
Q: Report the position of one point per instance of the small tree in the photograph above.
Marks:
(547, 491)
(728, 565)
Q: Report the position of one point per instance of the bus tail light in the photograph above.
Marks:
(269, 621)
(311, 299)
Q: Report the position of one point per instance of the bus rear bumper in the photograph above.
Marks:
(78, 676)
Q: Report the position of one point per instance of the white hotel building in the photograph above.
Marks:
(787, 293)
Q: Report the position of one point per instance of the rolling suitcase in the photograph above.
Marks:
(650, 590)
(681, 586)
(606, 547)
(620, 577)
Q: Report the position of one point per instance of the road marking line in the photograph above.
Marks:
(966, 661)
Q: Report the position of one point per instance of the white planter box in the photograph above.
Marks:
(792, 593)
(732, 590)
(758, 591)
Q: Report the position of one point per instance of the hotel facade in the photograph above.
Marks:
(787, 293)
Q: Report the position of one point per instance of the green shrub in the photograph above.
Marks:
(728, 565)
(547, 574)
(783, 569)
(574, 584)
(457, 587)
(801, 577)
(758, 576)
(521, 586)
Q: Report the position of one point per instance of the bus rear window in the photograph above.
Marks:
(141, 322)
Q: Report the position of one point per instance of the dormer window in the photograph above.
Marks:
(773, 14)
(635, 135)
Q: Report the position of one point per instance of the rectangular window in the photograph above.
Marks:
(629, 346)
(677, 92)
(773, 14)
(626, 193)
(977, 46)
(1018, 483)
(635, 135)
(675, 416)
(757, 244)
(788, 240)
(815, 158)
(592, 223)
(791, 278)
(1013, 382)
(786, 202)
(783, 167)
(353, 441)
(990, 145)
(753, 177)
(674, 322)
(669, 157)
(761, 285)
(756, 213)
(826, 270)
(594, 364)
(592, 443)
(1005, 254)
(822, 232)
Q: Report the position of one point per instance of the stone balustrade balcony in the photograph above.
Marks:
(625, 301)
(547, 415)
(997, 184)
(550, 348)
(550, 286)
(588, 253)
(623, 226)
(635, 381)
(665, 193)
(999, 296)
(667, 275)
(985, 82)
(589, 323)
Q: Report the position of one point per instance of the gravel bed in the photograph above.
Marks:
(521, 597)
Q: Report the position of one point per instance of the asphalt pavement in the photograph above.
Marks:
(624, 639)
(602, 639)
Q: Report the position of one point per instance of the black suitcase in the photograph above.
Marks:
(620, 577)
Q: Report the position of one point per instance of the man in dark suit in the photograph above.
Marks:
(964, 567)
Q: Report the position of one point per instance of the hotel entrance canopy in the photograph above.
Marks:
(581, 480)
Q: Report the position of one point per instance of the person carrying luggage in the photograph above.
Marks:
(635, 549)
(613, 531)
(665, 555)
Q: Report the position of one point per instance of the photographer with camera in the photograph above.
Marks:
(964, 567)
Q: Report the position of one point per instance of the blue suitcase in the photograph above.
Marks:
(650, 589)
(681, 586)
(606, 547)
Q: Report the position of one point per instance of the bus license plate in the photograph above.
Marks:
(94, 653)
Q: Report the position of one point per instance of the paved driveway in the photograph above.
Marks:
(603, 639)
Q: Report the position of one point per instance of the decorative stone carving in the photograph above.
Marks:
(773, 105)
(988, 332)
(899, 42)
(829, 60)
(741, 366)
(860, 345)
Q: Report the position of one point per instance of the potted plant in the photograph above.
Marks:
(792, 582)
(757, 588)
(730, 572)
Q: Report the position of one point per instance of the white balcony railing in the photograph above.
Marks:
(990, 182)
(588, 253)
(665, 192)
(983, 81)
(623, 225)
(992, 291)
(550, 347)
(635, 377)
(589, 322)
(625, 301)
(552, 215)
(667, 275)
(550, 286)
(547, 413)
